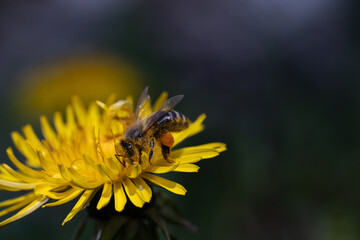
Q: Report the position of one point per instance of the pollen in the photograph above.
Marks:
(167, 140)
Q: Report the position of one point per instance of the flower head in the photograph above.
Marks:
(79, 158)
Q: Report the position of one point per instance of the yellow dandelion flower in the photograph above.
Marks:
(89, 152)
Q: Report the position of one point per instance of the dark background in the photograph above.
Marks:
(278, 80)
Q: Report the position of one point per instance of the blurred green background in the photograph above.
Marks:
(278, 80)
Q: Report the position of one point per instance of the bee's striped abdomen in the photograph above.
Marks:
(172, 121)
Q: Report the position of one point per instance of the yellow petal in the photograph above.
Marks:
(17, 175)
(144, 189)
(47, 165)
(134, 170)
(68, 196)
(16, 200)
(54, 192)
(43, 188)
(70, 118)
(119, 105)
(82, 182)
(25, 169)
(105, 196)
(164, 168)
(130, 100)
(57, 195)
(3, 188)
(4, 174)
(90, 162)
(19, 204)
(145, 109)
(83, 201)
(49, 132)
(79, 110)
(64, 173)
(16, 186)
(196, 153)
(133, 192)
(25, 148)
(94, 117)
(105, 172)
(101, 105)
(56, 179)
(114, 165)
(160, 101)
(164, 183)
(25, 211)
(119, 195)
(31, 136)
(193, 129)
(186, 168)
(144, 161)
(59, 124)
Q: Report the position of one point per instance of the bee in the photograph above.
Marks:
(145, 132)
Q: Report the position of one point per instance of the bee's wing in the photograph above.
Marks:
(142, 100)
(165, 108)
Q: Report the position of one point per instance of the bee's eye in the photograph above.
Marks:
(138, 134)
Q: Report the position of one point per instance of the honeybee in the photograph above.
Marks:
(144, 132)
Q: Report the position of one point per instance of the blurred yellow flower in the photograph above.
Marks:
(87, 75)
(78, 158)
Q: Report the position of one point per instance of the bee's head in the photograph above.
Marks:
(128, 149)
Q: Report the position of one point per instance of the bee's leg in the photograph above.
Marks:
(118, 158)
(151, 154)
(166, 153)
(167, 141)
(123, 163)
